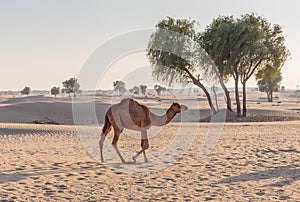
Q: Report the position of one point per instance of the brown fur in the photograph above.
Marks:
(132, 115)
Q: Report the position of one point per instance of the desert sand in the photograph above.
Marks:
(251, 161)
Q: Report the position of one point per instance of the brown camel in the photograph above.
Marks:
(134, 116)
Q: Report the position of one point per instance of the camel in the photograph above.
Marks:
(132, 115)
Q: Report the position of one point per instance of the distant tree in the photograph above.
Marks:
(55, 91)
(119, 86)
(268, 81)
(135, 90)
(143, 89)
(159, 89)
(26, 91)
(71, 86)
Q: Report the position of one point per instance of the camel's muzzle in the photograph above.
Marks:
(183, 108)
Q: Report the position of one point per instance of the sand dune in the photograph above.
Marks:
(91, 111)
(250, 161)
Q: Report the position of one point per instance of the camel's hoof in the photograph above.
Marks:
(134, 160)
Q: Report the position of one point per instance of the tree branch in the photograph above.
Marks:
(253, 70)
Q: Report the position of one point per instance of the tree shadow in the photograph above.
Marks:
(290, 173)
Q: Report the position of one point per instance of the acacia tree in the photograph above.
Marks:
(135, 90)
(217, 40)
(71, 86)
(240, 47)
(143, 89)
(26, 90)
(119, 86)
(171, 53)
(159, 89)
(224, 39)
(268, 81)
(264, 47)
(55, 91)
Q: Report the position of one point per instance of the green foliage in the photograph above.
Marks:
(268, 81)
(221, 41)
(71, 86)
(55, 91)
(119, 86)
(263, 46)
(159, 89)
(168, 50)
(241, 47)
(143, 89)
(26, 91)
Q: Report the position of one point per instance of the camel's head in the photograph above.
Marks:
(178, 108)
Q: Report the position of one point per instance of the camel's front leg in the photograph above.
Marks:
(114, 143)
(144, 145)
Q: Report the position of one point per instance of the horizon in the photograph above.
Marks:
(45, 43)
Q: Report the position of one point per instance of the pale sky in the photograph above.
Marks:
(43, 43)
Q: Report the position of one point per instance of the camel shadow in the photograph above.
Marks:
(290, 173)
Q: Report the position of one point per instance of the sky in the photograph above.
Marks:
(43, 43)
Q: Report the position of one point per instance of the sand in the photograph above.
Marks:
(251, 161)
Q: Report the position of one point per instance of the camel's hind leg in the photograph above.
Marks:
(101, 146)
(105, 130)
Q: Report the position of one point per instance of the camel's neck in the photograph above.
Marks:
(157, 120)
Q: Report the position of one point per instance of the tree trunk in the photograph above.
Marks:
(228, 99)
(200, 85)
(271, 96)
(244, 99)
(197, 83)
(216, 97)
(237, 97)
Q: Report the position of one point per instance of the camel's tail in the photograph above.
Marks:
(107, 125)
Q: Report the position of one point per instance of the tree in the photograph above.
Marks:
(159, 89)
(55, 91)
(119, 86)
(171, 52)
(217, 40)
(135, 90)
(264, 47)
(240, 47)
(26, 91)
(71, 86)
(143, 89)
(268, 81)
